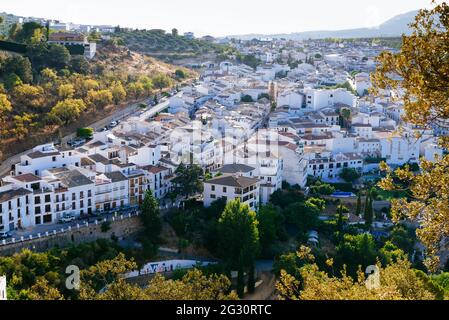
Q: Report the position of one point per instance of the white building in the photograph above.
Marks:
(317, 99)
(231, 187)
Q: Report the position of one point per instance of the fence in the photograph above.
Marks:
(62, 230)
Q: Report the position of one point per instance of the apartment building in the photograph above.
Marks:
(231, 187)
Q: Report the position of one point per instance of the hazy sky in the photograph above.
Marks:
(218, 17)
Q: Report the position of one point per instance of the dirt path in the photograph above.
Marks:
(265, 288)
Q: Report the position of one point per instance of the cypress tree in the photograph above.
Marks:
(358, 210)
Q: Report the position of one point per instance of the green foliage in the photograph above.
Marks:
(238, 235)
(284, 198)
(247, 99)
(350, 174)
(159, 42)
(271, 226)
(250, 60)
(303, 215)
(85, 132)
(188, 180)
(321, 188)
(181, 74)
(19, 66)
(151, 217)
(355, 251)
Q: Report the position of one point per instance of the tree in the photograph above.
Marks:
(151, 217)
(22, 124)
(188, 180)
(270, 223)
(238, 236)
(349, 174)
(162, 81)
(420, 70)
(29, 33)
(181, 74)
(247, 99)
(29, 96)
(5, 110)
(398, 281)
(135, 89)
(369, 215)
(85, 132)
(345, 116)
(12, 81)
(174, 32)
(48, 75)
(358, 210)
(341, 210)
(304, 216)
(118, 92)
(68, 110)
(21, 66)
(100, 98)
(43, 291)
(320, 188)
(80, 65)
(355, 251)
(58, 56)
(66, 91)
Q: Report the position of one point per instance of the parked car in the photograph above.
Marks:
(67, 219)
(5, 235)
(113, 124)
(77, 142)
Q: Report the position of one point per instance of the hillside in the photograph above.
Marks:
(43, 99)
(394, 27)
(169, 47)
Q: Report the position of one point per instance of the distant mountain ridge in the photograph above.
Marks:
(395, 27)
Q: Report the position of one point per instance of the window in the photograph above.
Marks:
(225, 189)
(81, 195)
(47, 198)
(213, 188)
(89, 193)
(213, 196)
(37, 210)
(53, 159)
(37, 200)
(73, 206)
(47, 208)
(73, 196)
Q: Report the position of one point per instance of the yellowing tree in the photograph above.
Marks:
(68, 110)
(118, 92)
(397, 281)
(421, 71)
(66, 91)
(100, 98)
(28, 96)
(5, 110)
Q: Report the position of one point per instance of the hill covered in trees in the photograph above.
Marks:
(168, 46)
(47, 92)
